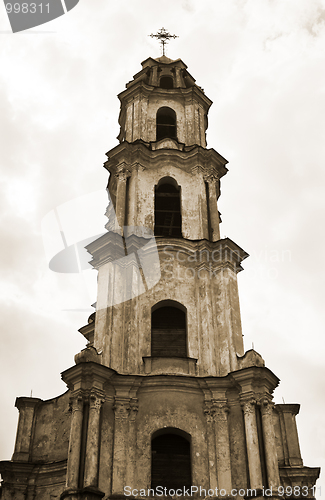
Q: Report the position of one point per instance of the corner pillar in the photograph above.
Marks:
(269, 445)
(220, 413)
(154, 77)
(122, 174)
(213, 207)
(76, 408)
(131, 456)
(121, 409)
(26, 408)
(253, 453)
(178, 78)
(92, 446)
(213, 483)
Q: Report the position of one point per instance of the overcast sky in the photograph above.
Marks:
(262, 64)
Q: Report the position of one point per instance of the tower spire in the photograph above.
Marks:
(163, 36)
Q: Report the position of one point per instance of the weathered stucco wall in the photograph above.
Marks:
(51, 430)
(192, 275)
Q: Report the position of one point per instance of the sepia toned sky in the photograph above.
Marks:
(262, 62)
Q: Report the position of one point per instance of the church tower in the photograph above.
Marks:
(164, 397)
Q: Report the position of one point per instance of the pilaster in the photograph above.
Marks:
(211, 444)
(253, 454)
(132, 442)
(26, 407)
(269, 444)
(220, 415)
(212, 181)
(76, 408)
(122, 175)
(96, 399)
(122, 410)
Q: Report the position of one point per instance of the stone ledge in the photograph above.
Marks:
(169, 365)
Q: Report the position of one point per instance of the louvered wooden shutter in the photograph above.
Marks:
(168, 333)
(168, 220)
(171, 462)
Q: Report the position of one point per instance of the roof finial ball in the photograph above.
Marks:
(163, 36)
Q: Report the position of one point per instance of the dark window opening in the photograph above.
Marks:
(168, 220)
(171, 462)
(166, 124)
(168, 332)
(166, 82)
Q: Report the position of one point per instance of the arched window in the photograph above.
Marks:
(166, 124)
(168, 331)
(166, 82)
(168, 220)
(171, 460)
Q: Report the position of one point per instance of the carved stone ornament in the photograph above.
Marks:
(76, 403)
(121, 409)
(95, 401)
(134, 408)
(267, 407)
(208, 411)
(122, 173)
(220, 411)
(211, 178)
(249, 407)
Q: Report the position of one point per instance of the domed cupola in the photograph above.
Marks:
(163, 103)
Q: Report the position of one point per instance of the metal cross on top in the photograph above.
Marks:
(163, 36)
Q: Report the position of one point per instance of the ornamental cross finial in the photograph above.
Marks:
(163, 36)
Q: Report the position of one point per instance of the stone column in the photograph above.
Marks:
(76, 406)
(93, 435)
(220, 412)
(253, 453)
(213, 483)
(269, 444)
(213, 207)
(131, 456)
(122, 409)
(122, 174)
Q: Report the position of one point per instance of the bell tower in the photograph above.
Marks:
(164, 400)
(165, 182)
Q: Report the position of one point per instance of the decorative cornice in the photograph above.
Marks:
(86, 376)
(224, 253)
(292, 408)
(140, 88)
(255, 380)
(128, 154)
(25, 402)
